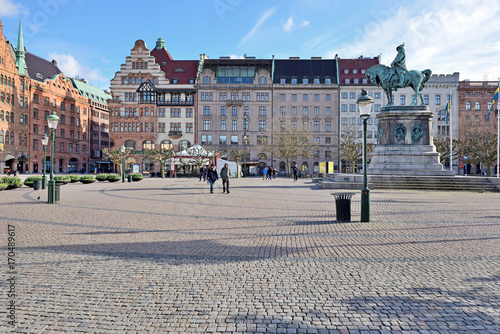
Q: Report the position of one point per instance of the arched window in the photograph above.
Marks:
(282, 166)
(12, 117)
(166, 145)
(20, 139)
(148, 165)
(148, 144)
(316, 167)
(6, 137)
(1, 115)
(7, 115)
(130, 143)
(184, 144)
(467, 105)
(21, 119)
(25, 140)
(12, 138)
(478, 106)
(305, 166)
(1, 137)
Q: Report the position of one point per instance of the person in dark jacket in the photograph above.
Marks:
(212, 177)
(225, 174)
(201, 173)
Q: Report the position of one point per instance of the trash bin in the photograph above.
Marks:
(129, 178)
(37, 184)
(57, 196)
(343, 206)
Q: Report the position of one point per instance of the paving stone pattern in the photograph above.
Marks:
(165, 256)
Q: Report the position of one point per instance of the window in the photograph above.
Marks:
(343, 107)
(234, 140)
(294, 81)
(376, 107)
(352, 120)
(235, 111)
(478, 106)
(262, 125)
(206, 110)
(282, 81)
(316, 97)
(328, 81)
(305, 111)
(316, 126)
(223, 140)
(328, 140)
(426, 100)
(262, 111)
(328, 97)
(316, 140)
(294, 111)
(403, 100)
(305, 81)
(438, 99)
(283, 97)
(343, 95)
(376, 95)
(467, 105)
(346, 71)
(343, 121)
(294, 97)
(305, 97)
(352, 107)
(352, 95)
(223, 125)
(206, 125)
(283, 111)
(328, 126)
(316, 111)
(235, 125)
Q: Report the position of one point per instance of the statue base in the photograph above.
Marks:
(405, 143)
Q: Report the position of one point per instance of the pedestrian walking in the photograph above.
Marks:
(225, 174)
(205, 172)
(264, 171)
(201, 172)
(212, 177)
(295, 173)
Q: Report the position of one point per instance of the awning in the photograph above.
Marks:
(9, 157)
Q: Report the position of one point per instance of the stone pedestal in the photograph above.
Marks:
(405, 143)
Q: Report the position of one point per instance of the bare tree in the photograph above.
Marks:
(443, 148)
(239, 155)
(351, 150)
(478, 143)
(115, 155)
(290, 141)
(161, 155)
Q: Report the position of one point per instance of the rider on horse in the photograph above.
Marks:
(398, 67)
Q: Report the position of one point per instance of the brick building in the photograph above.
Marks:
(14, 111)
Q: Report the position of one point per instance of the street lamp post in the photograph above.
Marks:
(45, 142)
(365, 103)
(122, 149)
(52, 121)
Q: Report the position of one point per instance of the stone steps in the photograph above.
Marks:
(452, 183)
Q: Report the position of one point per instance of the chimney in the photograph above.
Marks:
(54, 62)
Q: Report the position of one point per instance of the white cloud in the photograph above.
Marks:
(10, 8)
(288, 26)
(449, 36)
(72, 68)
(305, 23)
(261, 21)
(236, 57)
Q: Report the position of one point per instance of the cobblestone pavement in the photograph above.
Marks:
(165, 256)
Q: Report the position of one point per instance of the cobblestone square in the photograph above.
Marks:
(166, 256)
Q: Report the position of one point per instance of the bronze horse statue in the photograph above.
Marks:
(381, 75)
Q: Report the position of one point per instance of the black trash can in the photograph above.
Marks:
(343, 206)
(37, 184)
(129, 178)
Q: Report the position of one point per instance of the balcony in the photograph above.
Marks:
(175, 134)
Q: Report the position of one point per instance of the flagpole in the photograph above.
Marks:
(451, 134)
(498, 135)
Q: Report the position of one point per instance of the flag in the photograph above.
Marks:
(447, 110)
(495, 100)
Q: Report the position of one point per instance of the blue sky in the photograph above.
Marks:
(91, 38)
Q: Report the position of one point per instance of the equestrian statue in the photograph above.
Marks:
(397, 76)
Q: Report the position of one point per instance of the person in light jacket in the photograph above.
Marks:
(225, 174)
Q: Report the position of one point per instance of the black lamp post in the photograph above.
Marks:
(52, 121)
(365, 104)
(45, 142)
(122, 149)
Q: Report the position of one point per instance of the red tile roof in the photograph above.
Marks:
(183, 70)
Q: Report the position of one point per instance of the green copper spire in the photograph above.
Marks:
(20, 54)
(160, 43)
